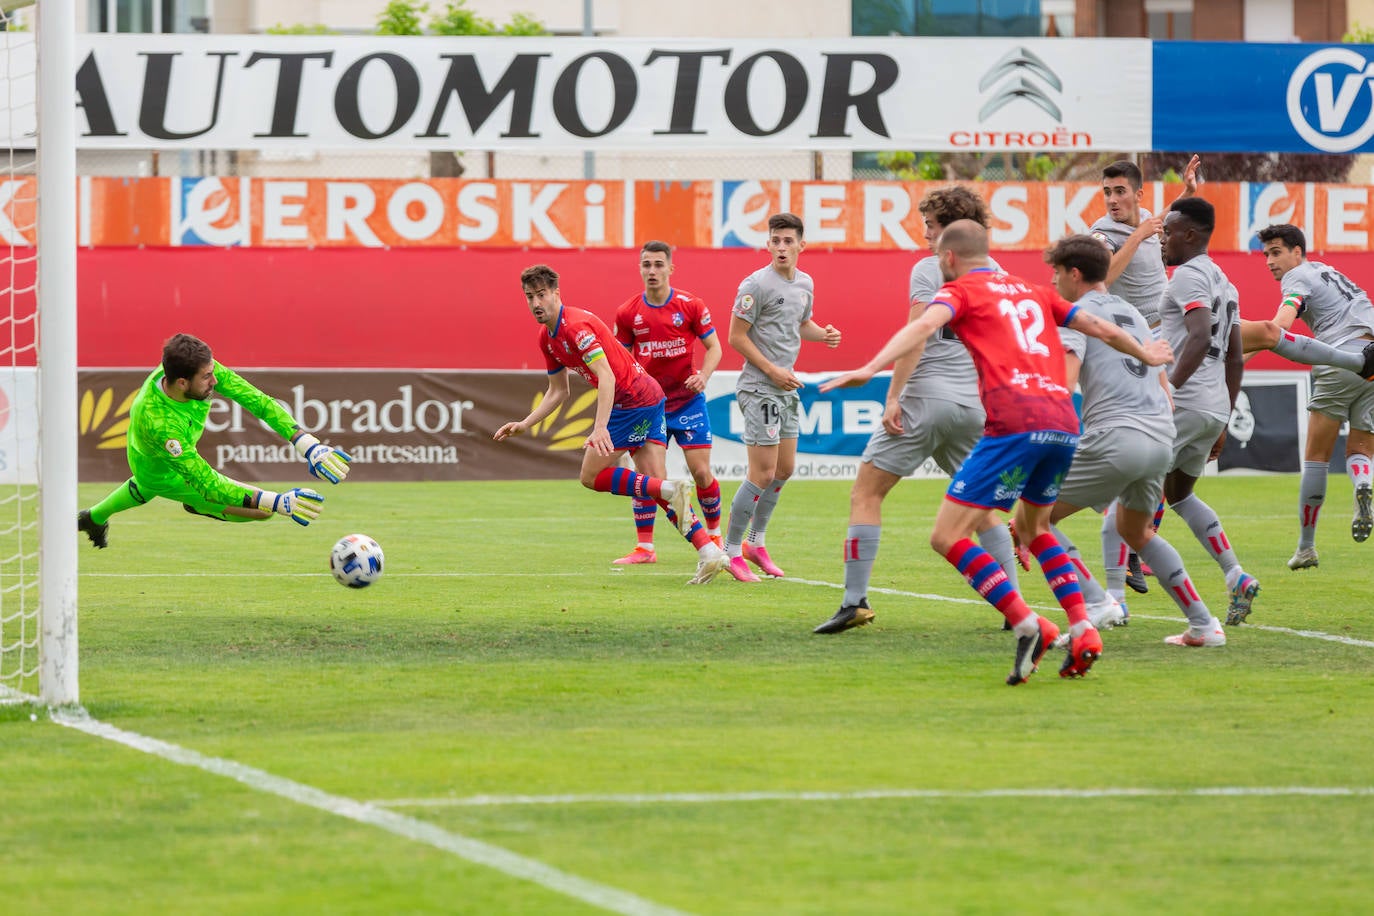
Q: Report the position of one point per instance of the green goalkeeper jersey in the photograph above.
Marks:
(163, 434)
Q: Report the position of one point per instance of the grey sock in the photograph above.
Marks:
(1168, 567)
(860, 550)
(1206, 527)
(997, 541)
(1309, 351)
(763, 511)
(741, 514)
(1311, 495)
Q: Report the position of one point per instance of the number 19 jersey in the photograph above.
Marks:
(1008, 326)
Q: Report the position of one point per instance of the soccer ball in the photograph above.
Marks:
(356, 560)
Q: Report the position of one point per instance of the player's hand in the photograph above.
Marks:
(1149, 227)
(301, 505)
(326, 462)
(1192, 176)
(785, 379)
(851, 379)
(892, 417)
(832, 336)
(1158, 353)
(1217, 446)
(600, 442)
(513, 428)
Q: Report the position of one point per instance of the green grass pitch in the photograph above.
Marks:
(501, 656)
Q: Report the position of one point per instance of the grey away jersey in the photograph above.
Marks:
(1142, 282)
(945, 370)
(1118, 390)
(1201, 281)
(775, 310)
(1334, 308)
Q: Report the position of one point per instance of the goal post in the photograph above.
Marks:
(56, 336)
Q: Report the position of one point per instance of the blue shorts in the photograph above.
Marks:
(1003, 469)
(633, 427)
(690, 425)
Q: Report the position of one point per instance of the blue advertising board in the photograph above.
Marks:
(1212, 96)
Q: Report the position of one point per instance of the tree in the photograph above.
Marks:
(401, 17)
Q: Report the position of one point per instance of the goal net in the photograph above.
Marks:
(37, 354)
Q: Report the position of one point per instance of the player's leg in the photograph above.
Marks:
(1197, 433)
(629, 428)
(95, 521)
(691, 427)
(754, 548)
(644, 511)
(1359, 446)
(1300, 348)
(871, 486)
(1203, 628)
(1322, 431)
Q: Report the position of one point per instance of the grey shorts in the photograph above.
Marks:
(1118, 463)
(769, 418)
(1197, 433)
(1343, 395)
(935, 428)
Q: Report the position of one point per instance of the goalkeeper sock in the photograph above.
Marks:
(125, 496)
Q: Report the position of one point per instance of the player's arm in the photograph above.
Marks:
(902, 367)
(301, 505)
(1154, 353)
(709, 362)
(1198, 323)
(829, 335)
(907, 341)
(744, 346)
(1192, 176)
(326, 462)
(554, 395)
(600, 439)
(1121, 258)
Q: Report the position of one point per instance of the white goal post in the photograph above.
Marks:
(38, 419)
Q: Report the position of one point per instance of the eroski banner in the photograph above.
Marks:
(280, 91)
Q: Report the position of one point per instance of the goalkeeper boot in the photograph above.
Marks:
(641, 554)
(99, 534)
(851, 615)
(1084, 649)
(760, 558)
(1030, 649)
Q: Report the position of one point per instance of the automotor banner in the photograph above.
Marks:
(395, 425)
(277, 91)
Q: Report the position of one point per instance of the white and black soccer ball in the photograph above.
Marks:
(356, 560)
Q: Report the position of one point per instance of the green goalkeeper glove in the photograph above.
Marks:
(300, 505)
(326, 463)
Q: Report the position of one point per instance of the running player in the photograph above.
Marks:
(657, 326)
(1201, 322)
(770, 319)
(932, 411)
(1127, 444)
(166, 421)
(629, 409)
(1029, 439)
(1339, 313)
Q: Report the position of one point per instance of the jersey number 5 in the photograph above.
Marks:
(1027, 322)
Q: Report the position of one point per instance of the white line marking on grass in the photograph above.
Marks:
(699, 798)
(1289, 631)
(475, 851)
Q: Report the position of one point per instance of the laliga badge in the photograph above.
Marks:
(173, 448)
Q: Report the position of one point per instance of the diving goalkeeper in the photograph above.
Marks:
(166, 421)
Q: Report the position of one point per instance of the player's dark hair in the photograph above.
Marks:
(1198, 211)
(1291, 236)
(945, 205)
(1083, 252)
(965, 238)
(786, 221)
(1125, 168)
(184, 356)
(655, 245)
(541, 276)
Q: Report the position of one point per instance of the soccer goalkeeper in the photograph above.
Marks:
(165, 423)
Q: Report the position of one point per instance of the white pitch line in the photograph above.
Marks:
(699, 798)
(475, 851)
